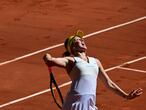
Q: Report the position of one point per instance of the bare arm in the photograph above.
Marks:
(52, 61)
(105, 78)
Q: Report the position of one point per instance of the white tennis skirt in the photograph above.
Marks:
(79, 102)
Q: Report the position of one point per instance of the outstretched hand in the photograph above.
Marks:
(135, 93)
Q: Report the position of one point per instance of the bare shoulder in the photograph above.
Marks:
(99, 63)
(69, 58)
(97, 60)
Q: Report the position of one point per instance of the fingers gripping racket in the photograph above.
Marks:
(53, 81)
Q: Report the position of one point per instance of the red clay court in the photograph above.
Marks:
(115, 34)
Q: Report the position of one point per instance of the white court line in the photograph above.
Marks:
(62, 85)
(129, 62)
(134, 61)
(117, 26)
(33, 95)
(58, 45)
(131, 69)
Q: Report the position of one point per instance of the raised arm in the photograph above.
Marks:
(110, 84)
(52, 61)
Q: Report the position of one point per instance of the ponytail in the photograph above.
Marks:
(66, 54)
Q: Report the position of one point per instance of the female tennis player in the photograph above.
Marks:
(83, 72)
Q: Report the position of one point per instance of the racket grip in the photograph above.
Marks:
(50, 69)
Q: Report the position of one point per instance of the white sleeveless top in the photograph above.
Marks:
(84, 76)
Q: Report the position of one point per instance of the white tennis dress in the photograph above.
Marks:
(82, 94)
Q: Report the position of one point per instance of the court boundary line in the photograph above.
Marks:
(126, 63)
(61, 44)
(132, 69)
(65, 84)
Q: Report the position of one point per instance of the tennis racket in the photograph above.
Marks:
(53, 81)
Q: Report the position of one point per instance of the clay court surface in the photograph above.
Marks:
(115, 33)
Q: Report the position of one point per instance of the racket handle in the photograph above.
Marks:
(50, 69)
